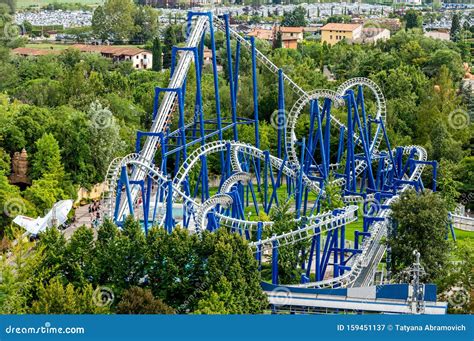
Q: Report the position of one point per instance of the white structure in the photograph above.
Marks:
(141, 59)
(438, 35)
(373, 34)
(408, 2)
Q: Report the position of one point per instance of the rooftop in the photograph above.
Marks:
(261, 34)
(107, 49)
(284, 29)
(340, 27)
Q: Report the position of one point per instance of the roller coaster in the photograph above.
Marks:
(166, 181)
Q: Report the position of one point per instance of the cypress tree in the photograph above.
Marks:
(157, 55)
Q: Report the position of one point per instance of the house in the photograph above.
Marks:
(372, 35)
(262, 34)
(333, 33)
(141, 59)
(392, 24)
(290, 36)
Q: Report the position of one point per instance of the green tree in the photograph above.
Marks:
(51, 253)
(120, 259)
(55, 298)
(277, 41)
(44, 192)
(290, 256)
(459, 280)
(420, 223)
(146, 22)
(47, 158)
(221, 302)
(455, 28)
(333, 197)
(136, 300)
(412, 19)
(296, 18)
(448, 185)
(15, 283)
(172, 36)
(80, 256)
(157, 55)
(11, 4)
(104, 134)
(184, 268)
(465, 176)
(114, 20)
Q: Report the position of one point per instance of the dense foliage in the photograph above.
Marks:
(159, 273)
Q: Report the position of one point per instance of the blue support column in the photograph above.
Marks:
(216, 84)
(299, 189)
(146, 203)
(123, 181)
(275, 262)
(169, 221)
(255, 103)
(259, 248)
(236, 70)
(318, 276)
(281, 119)
(231, 78)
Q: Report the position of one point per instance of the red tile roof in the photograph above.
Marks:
(284, 29)
(107, 49)
(340, 27)
(261, 34)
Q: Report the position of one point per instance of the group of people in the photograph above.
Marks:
(94, 211)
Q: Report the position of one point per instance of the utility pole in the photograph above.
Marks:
(418, 299)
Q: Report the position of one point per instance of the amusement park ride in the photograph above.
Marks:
(167, 180)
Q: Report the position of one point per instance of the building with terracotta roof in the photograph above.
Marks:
(262, 33)
(141, 59)
(290, 36)
(333, 33)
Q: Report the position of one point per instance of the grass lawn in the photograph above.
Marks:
(463, 236)
(40, 3)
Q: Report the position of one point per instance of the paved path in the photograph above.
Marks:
(83, 217)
